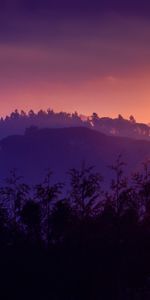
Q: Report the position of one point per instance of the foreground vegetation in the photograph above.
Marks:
(89, 244)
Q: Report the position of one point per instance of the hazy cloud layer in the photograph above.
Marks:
(64, 50)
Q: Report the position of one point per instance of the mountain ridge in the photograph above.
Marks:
(65, 148)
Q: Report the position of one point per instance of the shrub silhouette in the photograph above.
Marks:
(90, 244)
(31, 217)
(85, 190)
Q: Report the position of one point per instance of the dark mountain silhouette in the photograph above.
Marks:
(17, 122)
(64, 148)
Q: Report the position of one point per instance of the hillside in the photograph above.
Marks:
(17, 123)
(60, 149)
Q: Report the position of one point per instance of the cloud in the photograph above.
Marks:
(75, 61)
(75, 50)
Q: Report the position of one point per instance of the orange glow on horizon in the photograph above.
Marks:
(107, 96)
(99, 65)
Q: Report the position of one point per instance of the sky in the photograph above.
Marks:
(85, 56)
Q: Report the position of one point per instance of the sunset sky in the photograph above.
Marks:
(76, 55)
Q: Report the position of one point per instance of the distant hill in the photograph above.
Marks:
(63, 148)
(17, 122)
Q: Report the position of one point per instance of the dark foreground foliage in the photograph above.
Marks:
(87, 245)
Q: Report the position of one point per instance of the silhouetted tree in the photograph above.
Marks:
(132, 119)
(62, 220)
(31, 217)
(95, 119)
(15, 115)
(141, 187)
(15, 194)
(119, 183)
(85, 190)
(31, 113)
(47, 193)
(120, 117)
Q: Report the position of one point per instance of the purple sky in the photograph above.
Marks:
(76, 55)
